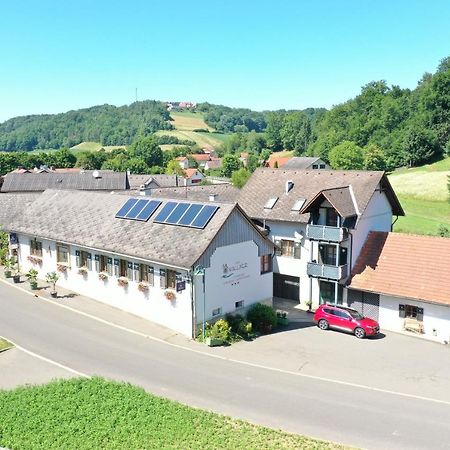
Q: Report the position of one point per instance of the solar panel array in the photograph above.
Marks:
(191, 215)
(138, 209)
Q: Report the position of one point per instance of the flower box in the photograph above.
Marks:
(102, 276)
(122, 281)
(282, 318)
(34, 259)
(213, 342)
(82, 271)
(170, 295)
(62, 268)
(143, 287)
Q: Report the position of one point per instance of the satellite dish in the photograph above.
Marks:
(96, 174)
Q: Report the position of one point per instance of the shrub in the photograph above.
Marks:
(220, 330)
(240, 328)
(262, 317)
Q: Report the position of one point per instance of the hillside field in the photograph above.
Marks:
(423, 193)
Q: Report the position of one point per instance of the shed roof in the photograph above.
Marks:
(83, 180)
(404, 265)
(300, 162)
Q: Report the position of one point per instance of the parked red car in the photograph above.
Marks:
(345, 319)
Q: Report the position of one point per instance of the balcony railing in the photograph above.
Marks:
(317, 270)
(325, 233)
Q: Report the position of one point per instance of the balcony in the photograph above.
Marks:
(336, 273)
(325, 233)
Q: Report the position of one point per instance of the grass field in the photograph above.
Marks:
(96, 414)
(94, 147)
(189, 121)
(424, 196)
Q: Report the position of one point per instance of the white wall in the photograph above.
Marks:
(151, 305)
(242, 281)
(376, 217)
(436, 318)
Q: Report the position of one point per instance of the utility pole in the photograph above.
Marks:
(136, 95)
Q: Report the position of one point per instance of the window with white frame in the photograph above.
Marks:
(266, 263)
(62, 253)
(35, 248)
(288, 248)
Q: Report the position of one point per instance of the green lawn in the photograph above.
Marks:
(96, 414)
(423, 194)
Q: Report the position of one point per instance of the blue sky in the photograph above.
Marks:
(58, 55)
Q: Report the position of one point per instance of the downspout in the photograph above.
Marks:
(193, 309)
(393, 223)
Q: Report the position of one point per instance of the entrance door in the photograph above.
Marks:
(327, 290)
(286, 286)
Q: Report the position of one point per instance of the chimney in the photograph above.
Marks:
(212, 197)
(289, 186)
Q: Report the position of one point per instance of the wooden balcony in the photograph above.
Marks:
(326, 233)
(327, 272)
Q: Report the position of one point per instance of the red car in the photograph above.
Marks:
(345, 319)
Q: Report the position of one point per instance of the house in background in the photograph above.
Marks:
(276, 162)
(140, 254)
(201, 159)
(202, 193)
(192, 176)
(213, 164)
(403, 282)
(319, 221)
(306, 163)
(183, 161)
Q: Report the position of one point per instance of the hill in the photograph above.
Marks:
(423, 194)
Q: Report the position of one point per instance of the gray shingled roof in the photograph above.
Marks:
(340, 198)
(83, 180)
(12, 204)
(161, 180)
(300, 162)
(88, 219)
(222, 192)
(269, 183)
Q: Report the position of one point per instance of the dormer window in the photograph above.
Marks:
(270, 203)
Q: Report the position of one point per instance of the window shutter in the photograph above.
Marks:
(136, 271)
(297, 247)
(401, 311)
(151, 275)
(130, 270)
(116, 267)
(110, 266)
(89, 261)
(420, 314)
(162, 279)
(77, 258)
(97, 263)
(278, 249)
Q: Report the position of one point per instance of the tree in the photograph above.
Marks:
(347, 156)
(296, 132)
(419, 145)
(230, 163)
(147, 149)
(275, 122)
(174, 168)
(91, 160)
(374, 158)
(137, 165)
(240, 177)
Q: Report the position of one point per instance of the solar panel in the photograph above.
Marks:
(148, 210)
(164, 213)
(176, 214)
(126, 207)
(204, 216)
(136, 209)
(190, 214)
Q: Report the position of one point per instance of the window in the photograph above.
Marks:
(83, 259)
(289, 248)
(216, 312)
(239, 304)
(332, 219)
(270, 203)
(103, 267)
(315, 166)
(266, 263)
(123, 272)
(411, 312)
(321, 166)
(143, 272)
(171, 279)
(327, 254)
(62, 253)
(35, 248)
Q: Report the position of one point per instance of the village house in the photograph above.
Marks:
(193, 176)
(296, 162)
(402, 281)
(213, 164)
(319, 221)
(175, 262)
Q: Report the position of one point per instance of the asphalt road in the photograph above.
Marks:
(336, 412)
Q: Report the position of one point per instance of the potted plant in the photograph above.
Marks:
(32, 278)
(122, 281)
(309, 305)
(102, 276)
(282, 318)
(83, 271)
(143, 286)
(61, 268)
(52, 278)
(9, 265)
(16, 276)
(170, 295)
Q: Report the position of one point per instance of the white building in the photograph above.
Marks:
(319, 221)
(140, 254)
(402, 281)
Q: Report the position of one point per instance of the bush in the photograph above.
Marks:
(219, 330)
(200, 130)
(240, 328)
(262, 317)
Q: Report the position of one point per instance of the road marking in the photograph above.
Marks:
(224, 358)
(51, 361)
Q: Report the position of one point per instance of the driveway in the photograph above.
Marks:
(294, 400)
